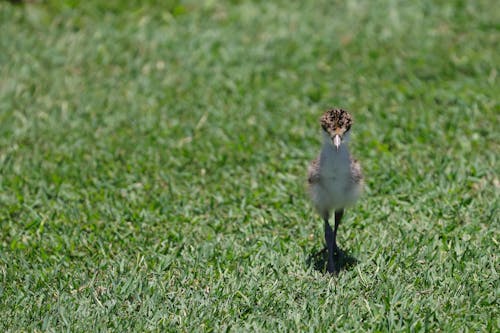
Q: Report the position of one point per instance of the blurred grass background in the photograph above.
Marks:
(153, 158)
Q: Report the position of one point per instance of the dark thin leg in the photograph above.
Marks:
(330, 244)
(338, 216)
(331, 241)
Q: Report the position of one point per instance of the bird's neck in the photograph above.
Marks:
(328, 150)
(334, 160)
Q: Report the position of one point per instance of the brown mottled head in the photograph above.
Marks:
(336, 122)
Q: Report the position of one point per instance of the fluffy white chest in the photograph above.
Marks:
(334, 189)
(335, 173)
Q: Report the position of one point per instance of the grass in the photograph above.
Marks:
(153, 157)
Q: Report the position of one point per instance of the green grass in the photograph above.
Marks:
(153, 160)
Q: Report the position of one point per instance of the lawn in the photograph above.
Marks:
(153, 162)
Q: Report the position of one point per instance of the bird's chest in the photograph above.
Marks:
(335, 176)
(336, 167)
(336, 181)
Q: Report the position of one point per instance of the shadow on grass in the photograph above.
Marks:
(320, 259)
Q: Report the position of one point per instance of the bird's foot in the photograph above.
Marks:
(334, 261)
(333, 268)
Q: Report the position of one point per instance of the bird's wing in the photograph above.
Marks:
(313, 175)
(356, 174)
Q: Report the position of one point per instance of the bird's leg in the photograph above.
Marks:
(338, 216)
(330, 243)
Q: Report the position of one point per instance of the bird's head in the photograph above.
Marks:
(336, 124)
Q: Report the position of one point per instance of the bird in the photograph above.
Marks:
(334, 178)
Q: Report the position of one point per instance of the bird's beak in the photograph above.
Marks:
(336, 141)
